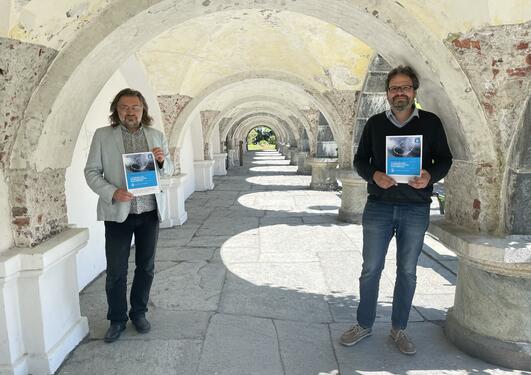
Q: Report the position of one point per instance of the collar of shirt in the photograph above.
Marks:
(391, 117)
(124, 129)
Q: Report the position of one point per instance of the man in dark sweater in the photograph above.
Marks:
(396, 209)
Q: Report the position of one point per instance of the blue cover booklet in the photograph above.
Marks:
(403, 157)
(141, 175)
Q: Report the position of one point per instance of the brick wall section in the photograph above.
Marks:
(22, 66)
(38, 205)
(497, 60)
(171, 107)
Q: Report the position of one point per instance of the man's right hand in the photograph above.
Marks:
(122, 195)
(383, 180)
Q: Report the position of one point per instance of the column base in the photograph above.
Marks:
(324, 175)
(513, 355)
(491, 316)
(204, 170)
(175, 207)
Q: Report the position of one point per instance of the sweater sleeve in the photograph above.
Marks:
(362, 159)
(441, 155)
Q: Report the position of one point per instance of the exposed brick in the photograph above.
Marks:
(19, 211)
(519, 72)
(467, 43)
(21, 221)
(522, 45)
(528, 59)
(476, 205)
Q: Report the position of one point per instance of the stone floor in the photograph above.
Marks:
(263, 279)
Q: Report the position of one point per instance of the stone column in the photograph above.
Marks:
(304, 166)
(39, 290)
(294, 156)
(219, 164)
(204, 170)
(491, 316)
(233, 157)
(353, 196)
(324, 174)
(174, 195)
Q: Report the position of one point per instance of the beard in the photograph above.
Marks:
(131, 122)
(401, 103)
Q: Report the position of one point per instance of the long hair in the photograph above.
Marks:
(405, 70)
(115, 119)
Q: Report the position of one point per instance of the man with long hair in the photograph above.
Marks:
(123, 213)
(396, 209)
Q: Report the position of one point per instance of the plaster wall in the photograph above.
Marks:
(6, 236)
(215, 140)
(187, 163)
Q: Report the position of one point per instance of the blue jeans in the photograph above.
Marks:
(408, 222)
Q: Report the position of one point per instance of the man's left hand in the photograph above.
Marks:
(159, 154)
(422, 181)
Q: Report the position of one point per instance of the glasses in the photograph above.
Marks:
(396, 89)
(134, 108)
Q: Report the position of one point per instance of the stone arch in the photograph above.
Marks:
(292, 110)
(267, 113)
(246, 126)
(517, 185)
(93, 50)
(255, 119)
(300, 86)
(54, 115)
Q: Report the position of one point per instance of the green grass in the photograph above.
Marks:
(252, 147)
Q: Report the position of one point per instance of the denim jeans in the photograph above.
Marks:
(381, 221)
(118, 238)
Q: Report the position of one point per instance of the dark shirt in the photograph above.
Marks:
(370, 156)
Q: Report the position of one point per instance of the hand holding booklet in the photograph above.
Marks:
(141, 175)
(403, 157)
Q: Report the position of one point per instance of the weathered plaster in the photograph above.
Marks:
(312, 116)
(207, 123)
(473, 195)
(497, 60)
(171, 107)
(38, 205)
(22, 66)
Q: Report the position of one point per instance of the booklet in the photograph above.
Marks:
(141, 175)
(403, 157)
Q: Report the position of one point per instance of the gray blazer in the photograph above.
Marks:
(104, 170)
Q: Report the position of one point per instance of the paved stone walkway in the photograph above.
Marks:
(263, 279)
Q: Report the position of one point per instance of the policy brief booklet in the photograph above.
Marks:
(141, 174)
(403, 157)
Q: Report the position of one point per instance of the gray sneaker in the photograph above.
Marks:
(354, 335)
(403, 341)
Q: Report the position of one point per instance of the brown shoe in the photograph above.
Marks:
(354, 335)
(402, 341)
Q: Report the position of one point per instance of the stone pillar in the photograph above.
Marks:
(491, 316)
(324, 175)
(303, 163)
(294, 156)
(174, 195)
(353, 196)
(204, 170)
(41, 322)
(233, 157)
(240, 153)
(219, 164)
